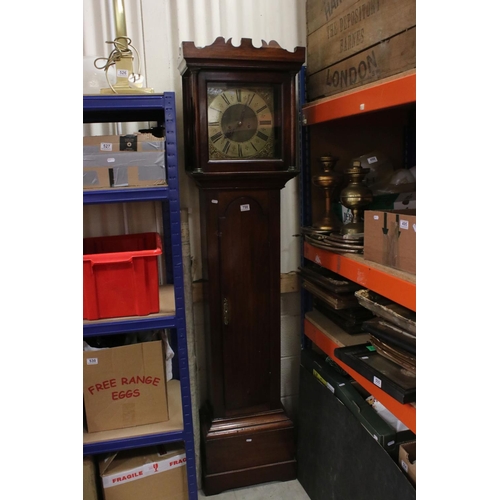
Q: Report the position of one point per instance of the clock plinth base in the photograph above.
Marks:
(239, 452)
(213, 484)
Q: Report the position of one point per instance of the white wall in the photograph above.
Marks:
(157, 28)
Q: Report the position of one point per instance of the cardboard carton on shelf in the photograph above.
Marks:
(96, 177)
(104, 144)
(89, 479)
(408, 459)
(155, 473)
(125, 386)
(390, 238)
(133, 160)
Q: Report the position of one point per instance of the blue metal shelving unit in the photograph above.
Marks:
(159, 108)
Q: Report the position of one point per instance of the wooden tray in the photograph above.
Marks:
(391, 333)
(333, 300)
(326, 280)
(389, 310)
(332, 246)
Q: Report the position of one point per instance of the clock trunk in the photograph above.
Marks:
(247, 438)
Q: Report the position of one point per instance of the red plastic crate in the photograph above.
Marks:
(120, 275)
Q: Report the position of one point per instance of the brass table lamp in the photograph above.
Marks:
(128, 81)
(328, 179)
(355, 196)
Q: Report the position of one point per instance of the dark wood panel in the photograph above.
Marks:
(240, 451)
(250, 450)
(245, 292)
(242, 262)
(217, 483)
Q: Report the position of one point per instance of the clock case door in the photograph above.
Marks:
(241, 246)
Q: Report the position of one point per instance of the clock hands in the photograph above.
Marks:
(235, 127)
(235, 131)
(245, 107)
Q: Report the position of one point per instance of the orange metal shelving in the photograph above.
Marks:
(386, 93)
(407, 413)
(393, 284)
(397, 286)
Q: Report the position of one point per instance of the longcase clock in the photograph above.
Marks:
(240, 146)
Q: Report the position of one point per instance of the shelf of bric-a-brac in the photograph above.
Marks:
(395, 285)
(347, 125)
(375, 118)
(398, 286)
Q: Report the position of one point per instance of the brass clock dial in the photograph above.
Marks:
(240, 122)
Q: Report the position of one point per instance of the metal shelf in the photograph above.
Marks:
(404, 412)
(124, 108)
(397, 286)
(125, 195)
(144, 435)
(161, 109)
(389, 92)
(114, 445)
(165, 318)
(92, 329)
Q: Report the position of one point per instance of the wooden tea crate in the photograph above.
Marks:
(354, 42)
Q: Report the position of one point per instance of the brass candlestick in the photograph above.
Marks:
(328, 180)
(355, 196)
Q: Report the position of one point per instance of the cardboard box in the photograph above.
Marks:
(89, 479)
(355, 42)
(96, 177)
(133, 160)
(408, 459)
(125, 386)
(105, 144)
(391, 238)
(151, 473)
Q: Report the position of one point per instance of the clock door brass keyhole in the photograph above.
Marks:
(225, 311)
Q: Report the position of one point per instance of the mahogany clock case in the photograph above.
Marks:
(240, 154)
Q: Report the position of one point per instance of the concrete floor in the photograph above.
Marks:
(288, 490)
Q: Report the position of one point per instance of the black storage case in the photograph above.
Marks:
(384, 373)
